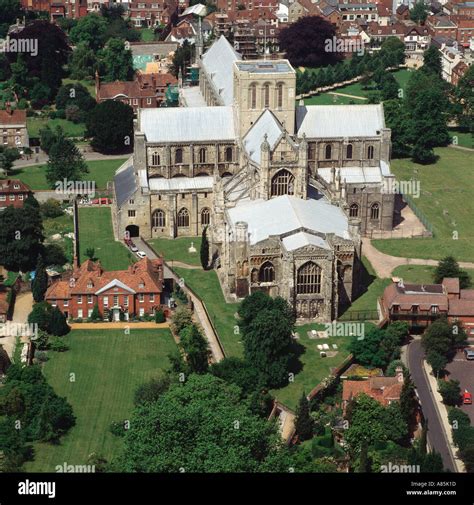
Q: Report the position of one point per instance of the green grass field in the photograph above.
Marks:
(147, 35)
(206, 285)
(70, 129)
(100, 171)
(108, 367)
(177, 249)
(422, 274)
(463, 139)
(95, 230)
(356, 90)
(446, 201)
(88, 84)
(314, 367)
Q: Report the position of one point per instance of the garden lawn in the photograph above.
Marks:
(446, 200)
(206, 285)
(372, 288)
(147, 35)
(35, 124)
(420, 274)
(463, 139)
(100, 171)
(95, 230)
(314, 367)
(89, 84)
(108, 367)
(177, 249)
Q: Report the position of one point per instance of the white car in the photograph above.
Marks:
(134, 248)
(141, 254)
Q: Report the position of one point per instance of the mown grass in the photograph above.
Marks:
(108, 366)
(95, 231)
(446, 200)
(100, 171)
(35, 124)
(420, 274)
(178, 249)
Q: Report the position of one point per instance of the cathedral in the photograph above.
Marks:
(286, 191)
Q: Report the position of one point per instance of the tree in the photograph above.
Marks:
(96, 316)
(182, 58)
(51, 208)
(65, 162)
(267, 346)
(48, 137)
(75, 94)
(48, 65)
(40, 282)
(408, 401)
(305, 42)
(449, 267)
(437, 361)
(21, 237)
(432, 62)
(7, 156)
(41, 315)
(397, 119)
(90, 253)
(110, 125)
(159, 317)
(151, 391)
(239, 372)
(392, 51)
(181, 318)
(201, 426)
(83, 62)
(467, 455)
(450, 391)
(54, 255)
(419, 12)
(58, 325)
(389, 87)
(204, 249)
(304, 424)
(196, 349)
(441, 338)
(464, 95)
(90, 30)
(116, 61)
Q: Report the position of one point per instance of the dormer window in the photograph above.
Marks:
(90, 285)
(434, 309)
(16, 186)
(141, 285)
(395, 308)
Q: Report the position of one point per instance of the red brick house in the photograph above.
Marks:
(144, 92)
(136, 291)
(420, 304)
(13, 192)
(385, 390)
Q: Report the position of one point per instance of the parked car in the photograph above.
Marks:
(102, 201)
(467, 398)
(141, 254)
(133, 247)
(469, 353)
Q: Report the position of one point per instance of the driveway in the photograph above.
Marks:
(436, 435)
(463, 370)
(23, 305)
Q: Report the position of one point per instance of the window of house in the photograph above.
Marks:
(79, 299)
(308, 279)
(141, 297)
(53, 303)
(66, 303)
(205, 216)
(89, 312)
(16, 186)
(3, 198)
(414, 308)
(12, 197)
(80, 314)
(152, 297)
(106, 301)
(116, 300)
(20, 197)
(183, 218)
(131, 213)
(395, 308)
(434, 309)
(148, 101)
(158, 218)
(89, 299)
(125, 301)
(141, 312)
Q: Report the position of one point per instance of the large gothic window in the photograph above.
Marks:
(202, 155)
(183, 218)
(205, 216)
(349, 151)
(354, 210)
(280, 96)
(370, 152)
(155, 159)
(228, 154)
(253, 96)
(178, 155)
(158, 219)
(328, 152)
(308, 280)
(283, 183)
(267, 272)
(266, 95)
(374, 211)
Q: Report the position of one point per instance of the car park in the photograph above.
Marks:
(467, 398)
(469, 353)
(133, 247)
(141, 254)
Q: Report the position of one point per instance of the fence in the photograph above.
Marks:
(360, 315)
(418, 213)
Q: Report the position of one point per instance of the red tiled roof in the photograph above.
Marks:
(8, 186)
(13, 117)
(451, 285)
(130, 89)
(382, 389)
(3, 302)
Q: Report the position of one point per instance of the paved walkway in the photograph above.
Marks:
(42, 158)
(462, 148)
(384, 264)
(180, 264)
(118, 325)
(346, 95)
(23, 305)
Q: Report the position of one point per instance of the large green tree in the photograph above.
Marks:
(449, 267)
(83, 62)
(21, 238)
(199, 426)
(91, 30)
(419, 12)
(58, 325)
(65, 162)
(110, 125)
(196, 348)
(204, 252)
(116, 61)
(432, 62)
(40, 282)
(304, 424)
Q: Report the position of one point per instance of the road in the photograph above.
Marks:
(436, 435)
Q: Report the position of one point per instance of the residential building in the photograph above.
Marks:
(420, 304)
(14, 132)
(151, 13)
(119, 294)
(13, 192)
(417, 40)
